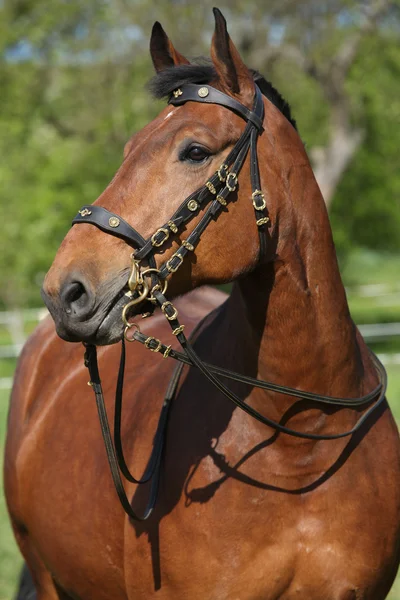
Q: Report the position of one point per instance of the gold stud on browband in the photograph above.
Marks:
(113, 221)
(203, 92)
(192, 205)
(84, 212)
(178, 93)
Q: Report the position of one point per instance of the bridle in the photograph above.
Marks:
(212, 197)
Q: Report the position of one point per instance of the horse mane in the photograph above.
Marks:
(165, 82)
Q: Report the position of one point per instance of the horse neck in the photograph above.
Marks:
(294, 319)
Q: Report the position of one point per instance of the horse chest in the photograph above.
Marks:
(224, 529)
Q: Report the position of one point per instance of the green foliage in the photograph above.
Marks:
(72, 92)
(366, 208)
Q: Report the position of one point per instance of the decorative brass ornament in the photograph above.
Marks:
(178, 330)
(211, 187)
(192, 205)
(221, 200)
(178, 93)
(113, 221)
(258, 194)
(262, 221)
(188, 245)
(167, 351)
(84, 212)
(172, 227)
(203, 92)
(134, 277)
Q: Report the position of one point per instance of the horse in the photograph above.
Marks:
(246, 508)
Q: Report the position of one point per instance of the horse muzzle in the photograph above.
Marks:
(81, 315)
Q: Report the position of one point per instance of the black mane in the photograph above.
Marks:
(165, 82)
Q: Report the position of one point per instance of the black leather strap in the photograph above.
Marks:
(192, 92)
(195, 360)
(91, 363)
(267, 385)
(115, 455)
(109, 223)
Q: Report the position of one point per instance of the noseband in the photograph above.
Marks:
(213, 197)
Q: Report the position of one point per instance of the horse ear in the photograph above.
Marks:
(233, 73)
(162, 51)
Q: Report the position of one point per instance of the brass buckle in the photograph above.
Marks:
(171, 269)
(258, 194)
(169, 317)
(178, 330)
(231, 186)
(153, 237)
(157, 348)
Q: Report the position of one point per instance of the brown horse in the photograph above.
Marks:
(244, 512)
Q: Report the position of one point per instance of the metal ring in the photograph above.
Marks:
(162, 290)
(127, 328)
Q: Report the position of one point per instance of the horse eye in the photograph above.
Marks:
(197, 154)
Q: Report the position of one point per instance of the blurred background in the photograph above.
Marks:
(72, 91)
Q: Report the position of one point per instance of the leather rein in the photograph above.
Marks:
(147, 287)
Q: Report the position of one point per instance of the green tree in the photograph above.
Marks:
(72, 92)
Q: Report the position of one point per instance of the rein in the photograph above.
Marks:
(213, 196)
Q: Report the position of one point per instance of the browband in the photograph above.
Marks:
(209, 95)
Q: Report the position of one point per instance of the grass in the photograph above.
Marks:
(10, 558)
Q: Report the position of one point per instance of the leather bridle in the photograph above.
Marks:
(212, 197)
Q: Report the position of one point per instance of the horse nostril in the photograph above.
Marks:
(76, 299)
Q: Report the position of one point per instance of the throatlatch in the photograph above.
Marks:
(148, 286)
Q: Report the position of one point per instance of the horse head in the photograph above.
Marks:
(178, 162)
